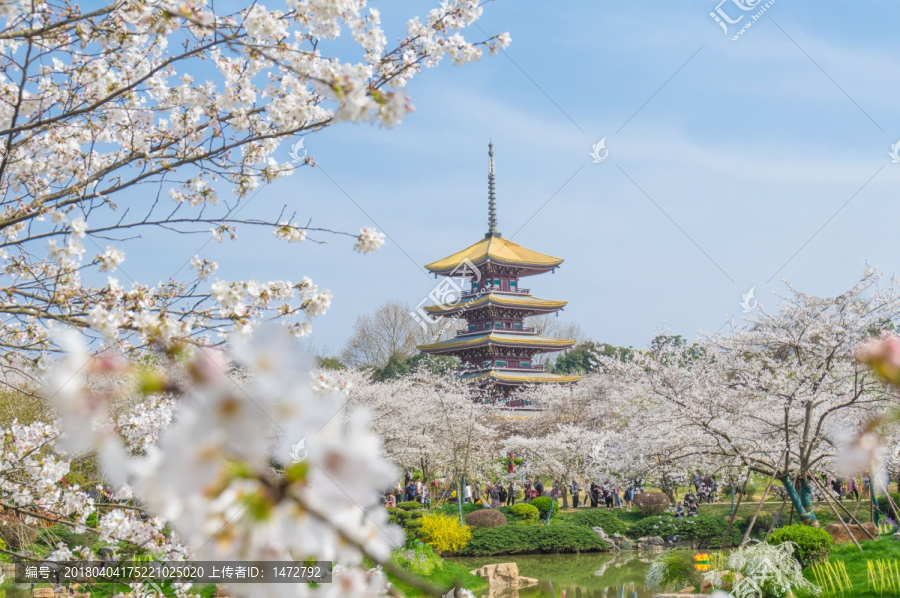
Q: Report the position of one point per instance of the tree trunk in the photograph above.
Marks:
(565, 497)
(802, 500)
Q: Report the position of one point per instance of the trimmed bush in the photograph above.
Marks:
(485, 518)
(443, 533)
(522, 512)
(525, 539)
(652, 503)
(597, 518)
(410, 505)
(813, 543)
(542, 503)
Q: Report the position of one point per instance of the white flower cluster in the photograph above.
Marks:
(209, 476)
(369, 240)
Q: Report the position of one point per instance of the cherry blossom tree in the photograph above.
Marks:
(166, 116)
(778, 396)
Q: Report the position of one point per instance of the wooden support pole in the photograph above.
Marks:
(853, 518)
(774, 519)
(758, 508)
(736, 507)
(841, 519)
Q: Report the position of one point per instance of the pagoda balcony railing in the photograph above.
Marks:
(486, 290)
(532, 368)
(523, 329)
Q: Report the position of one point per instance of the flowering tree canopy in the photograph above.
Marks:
(779, 396)
(128, 118)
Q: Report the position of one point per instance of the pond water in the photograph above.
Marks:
(595, 575)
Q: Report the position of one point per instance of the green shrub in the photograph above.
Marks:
(93, 520)
(813, 543)
(410, 505)
(485, 518)
(673, 570)
(597, 518)
(652, 503)
(884, 506)
(519, 539)
(522, 512)
(542, 503)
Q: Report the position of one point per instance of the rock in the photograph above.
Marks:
(687, 590)
(840, 534)
(504, 574)
(656, 541)
(897, 536)
(42, 593)
(706, 587)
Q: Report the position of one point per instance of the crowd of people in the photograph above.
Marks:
(609, 494)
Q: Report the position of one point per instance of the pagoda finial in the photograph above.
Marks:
(492, 198)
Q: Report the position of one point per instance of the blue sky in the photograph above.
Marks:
(731, 164)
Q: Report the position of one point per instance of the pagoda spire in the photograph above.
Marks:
(492, 198)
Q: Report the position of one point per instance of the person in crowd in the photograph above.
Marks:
(866, 486)
(410, 491)
(696, 480)
(703, 492)
(617, 497)
(595, 495)
(554, 491)
(679, 511)
(629, 496)
(495, 494)
(531, 494)
(467, 494)
(713, 488)
(419, 486)
(390, 500)
(692, 509)
(608, 498)
(689, 498)
(504, 495)
(407, 477)
(511, 494)
(539, 486)
(853, 488)
(575, 490)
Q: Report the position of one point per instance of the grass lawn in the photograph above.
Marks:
(856, 563)
(446, 577)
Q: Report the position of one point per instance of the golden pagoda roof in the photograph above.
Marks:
(497, 338)
(501, 299)
(522, 377)
(495, 248)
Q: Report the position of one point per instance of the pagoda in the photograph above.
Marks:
(496, 348)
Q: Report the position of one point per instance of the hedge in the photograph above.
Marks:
(519, 539)
(813, 543)
(884, 506)
(452, 509)
(597, 518)
(410, 505)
